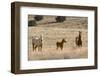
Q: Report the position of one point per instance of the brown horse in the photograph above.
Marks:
(78, 40)
(60, 44)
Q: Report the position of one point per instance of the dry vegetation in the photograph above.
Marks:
(53, 32)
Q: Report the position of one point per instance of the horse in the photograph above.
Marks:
(60, 44)
(37, 43)
(78, 40)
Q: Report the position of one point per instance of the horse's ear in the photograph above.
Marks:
(80, 32)
(64, 38)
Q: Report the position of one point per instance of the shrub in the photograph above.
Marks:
(32, 23)
(38, 17)
(60, 19)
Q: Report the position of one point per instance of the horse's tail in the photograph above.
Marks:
(76, 40)
(57, 45)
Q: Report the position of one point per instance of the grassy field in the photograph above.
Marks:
(54, 32)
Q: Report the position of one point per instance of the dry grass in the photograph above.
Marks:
(50, 37)
(51, 53)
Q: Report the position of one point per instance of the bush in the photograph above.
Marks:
(60, 19)
(38, 17)
(32, 23)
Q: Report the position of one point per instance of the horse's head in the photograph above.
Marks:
(64, 40)
(80, 32)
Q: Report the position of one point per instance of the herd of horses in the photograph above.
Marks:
(37, 42)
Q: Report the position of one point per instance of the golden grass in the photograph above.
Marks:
(50, 37)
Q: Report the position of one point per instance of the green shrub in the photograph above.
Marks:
(60, 18)
(38, 17)
(32, 23)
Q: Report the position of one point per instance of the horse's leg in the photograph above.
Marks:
(33, 47)
(38, 48)
(81, 43)
(41, 47)
(61, 47)
(57, 48)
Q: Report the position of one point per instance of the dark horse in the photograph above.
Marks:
(78, 40)
(60, 44)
